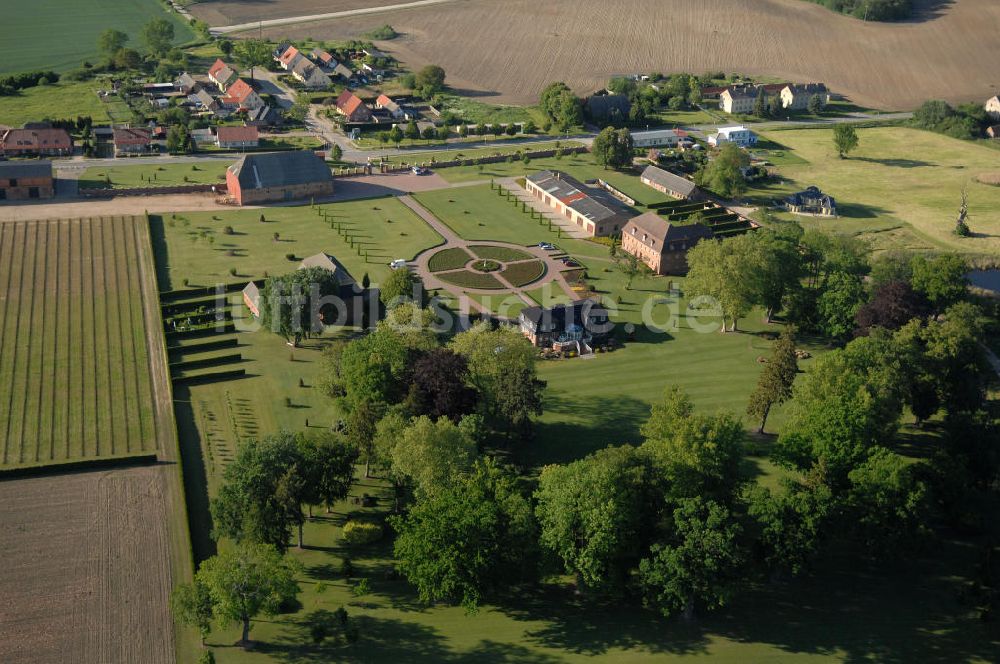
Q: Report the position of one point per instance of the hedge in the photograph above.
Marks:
(362, 532)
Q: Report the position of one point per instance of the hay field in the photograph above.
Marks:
(85, 574)
(508, 51)
(232, 12)
(74, 353)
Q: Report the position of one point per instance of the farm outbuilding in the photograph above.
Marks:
(278, 176)
(671, 184)
(24, 180)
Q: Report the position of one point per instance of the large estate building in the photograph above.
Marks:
(661, 245)
(812, 201)
(594, 210)
(576, 326)
(278, 176)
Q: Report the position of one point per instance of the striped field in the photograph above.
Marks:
(74, 360)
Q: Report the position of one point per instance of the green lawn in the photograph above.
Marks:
(154, 175)
(59, 101)
(194, 246)
(901, 186)
(476, 151)
(62, 34)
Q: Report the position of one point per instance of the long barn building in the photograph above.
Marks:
(278, 176)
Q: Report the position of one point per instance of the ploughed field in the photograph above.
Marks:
(74, 354)
(511, 49)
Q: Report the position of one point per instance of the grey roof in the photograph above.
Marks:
(602, 106)
(205, 99)
(661, 235)
(594, 204)
(808, 89)
(26, 169)
(185, 80)
(252, 292)
(331, 264)
(670, 181)
(280, 169)
(564, 315)
(812, 196)
(343, 71)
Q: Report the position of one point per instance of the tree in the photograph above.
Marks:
(432, 454)
(693, 454)
(470, 540)
(698, 565)
(247, 581)
(396, 135)
(893, 305)
(613, 147)
(815, 105)
(962, 223)
(629, 265)
(774, 385)
(111, 41)
(845, 139)
(262, 492)
(252, 53)
(127, 58)
(429, 81)
(399, 287)
(760, 104)
(298, 111)
(839, 303)
(158, 35)
(595, 514)
(561, 106)
(290, 306)
(724, 174)
(440, 386)
(191, 604)
(327, 468)
(411, 132)
(790, 523)
(375, 368)
(361, 428)
(942, 279)
(226, 47)
(178, 139)
(724, 270)
(336, 153)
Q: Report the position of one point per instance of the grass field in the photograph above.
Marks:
(480, 213)
(154, 175)
(61, 34)
(900, 187)
(475, 151)
(62, 100)
(74, 356)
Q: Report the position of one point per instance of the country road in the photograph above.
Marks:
(293, 20)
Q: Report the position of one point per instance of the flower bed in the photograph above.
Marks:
(503, 254)
(448, 259)
(469, 279)
(521, 274)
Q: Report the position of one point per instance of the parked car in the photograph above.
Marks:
(418, 170)
(547, 246)
(569, 262)
(398, 264)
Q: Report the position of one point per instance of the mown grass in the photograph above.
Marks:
(480, 213)
(62, 34)
(58, 101)
(154, 175)
(477, 149)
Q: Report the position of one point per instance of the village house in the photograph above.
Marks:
(385, 103)
(576, 326)
(278, 176)
(26, 180)
(310, 76)
(671, 184)
(353, 298)
(994, 131)
(661, 245)
(237, 138)
(41, 141)
(352, 108)
(657, 138)
(330, 264)
(607, 108)
(992, 107)
(811, 201)
(343, 71)
(738, 134)
(205, 101)
(288, 57)
(265, 116)
(323, 58)
(130, 141)
(242, 97)
(222, 75)
(594, 210)
(185, 84)
(737, 100)
(796, 97)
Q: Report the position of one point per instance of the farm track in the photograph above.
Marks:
(507, 51)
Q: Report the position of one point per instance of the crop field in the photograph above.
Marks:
(61, 34)
(74, 356)
(85, 568)
(230, 12)
(508, 51)
(901, 187)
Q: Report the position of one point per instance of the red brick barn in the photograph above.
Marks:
(278, 176)
(25, 180)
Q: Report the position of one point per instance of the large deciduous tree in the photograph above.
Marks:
(111, 41)
(893, 305)
(191, 604)
(845, 139)
(327, 467)
(790, 524)
(252, 53)
(724, 173)
(724, 270)
(429, 81)
(158, 34)
(613, 147)
(291, 304)
(432, 454)
(942, 280)
(440, 386)
(399, 287)
(774, 385)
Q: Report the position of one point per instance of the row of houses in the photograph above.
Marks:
(740, 99)
(385, 109)
(38, 139)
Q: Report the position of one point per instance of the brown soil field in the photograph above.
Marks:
(507, 51)
(85, 569)
(231, 12)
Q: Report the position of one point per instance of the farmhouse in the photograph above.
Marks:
(323, 58)
(251, 298)
(594, 210)
(278, 176)
(575, 326)
(607, 108)
(661, 245)
(992, 107)
(262, 117)
(39, 141)
(811, 201)
(796, 97)
(202, 99)
(237, 138)
(311, 76)
(186, 84)
(671, 184)
(351, 107)
(737, 134)
(26, 180)
(242, 97)
(737, 100)
(287, 57)
(222, 75)
(132, 141)
(385, 103)
(657, 138)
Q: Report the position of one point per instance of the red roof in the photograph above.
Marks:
(238, 92)
(217, 67)
(384, 100)
(348, 103)
(23, 139)
(132, 136)
(289, 55)
(325, 56)
(238, 134)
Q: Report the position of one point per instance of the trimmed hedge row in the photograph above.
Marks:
(206, 362)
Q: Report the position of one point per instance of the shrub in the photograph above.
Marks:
(232, 271)
(290, 257)
(362, 532)
(207, 657)
(361, 588)
(347, 568)
(227, 230)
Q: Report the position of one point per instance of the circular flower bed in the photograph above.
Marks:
(486, 265)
